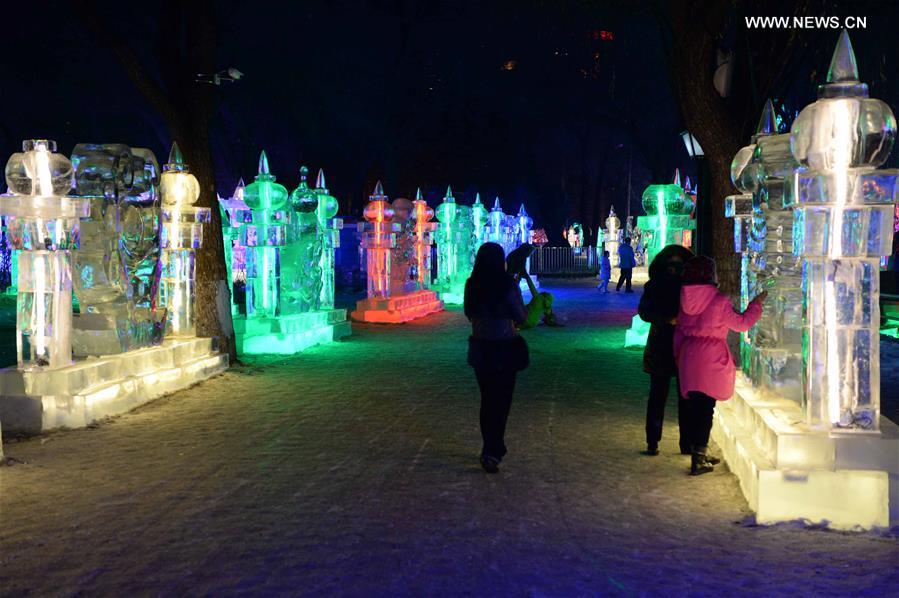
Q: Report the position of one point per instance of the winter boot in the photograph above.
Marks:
(652, 449)
(699, 462)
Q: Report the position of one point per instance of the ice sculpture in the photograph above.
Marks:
(265, 238)
(388, 238)
(501, 228)
(329, 226)
(771, 353)
(667, 217)
(424, 230)
(479, 223)
(300, 258)
(612, 236)
(457, 243)
(44, 226)
(289, 253)
(822, 459)
(843, 225)
(116, 270)
(236, 215)
(182, 235)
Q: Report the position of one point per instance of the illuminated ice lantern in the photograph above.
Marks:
(389, 299)
(43, 225)
(330, 227)
(236, 215)
(182, 235)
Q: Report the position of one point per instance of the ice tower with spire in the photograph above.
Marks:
(826, 457)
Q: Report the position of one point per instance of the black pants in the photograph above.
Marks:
(626, 274)
(700, 410)
(496, 400)
(659, 388)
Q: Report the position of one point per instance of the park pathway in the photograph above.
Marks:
(352, 469)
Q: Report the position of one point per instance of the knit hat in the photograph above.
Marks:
(700, 270)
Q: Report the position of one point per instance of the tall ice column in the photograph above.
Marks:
(182, 235)
(43, 226)
(842, 226)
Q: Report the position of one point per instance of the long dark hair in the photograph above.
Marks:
(489, 281)
(659, 264)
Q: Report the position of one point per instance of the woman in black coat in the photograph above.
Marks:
(659, 306)
(496, 351)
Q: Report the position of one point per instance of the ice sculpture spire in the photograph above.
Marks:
(238, 191)
(522, 211)
(843, 67)
(477, 199)
(496, 205)
(418, 196)
(842, 76)
(264, 172)
(378, 193)
(677, 176)
(767, 122)
(320, 180)
(449, 195)
(304, 174)
(176, 159)
(687, 184)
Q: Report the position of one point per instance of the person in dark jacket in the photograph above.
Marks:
(496, 351)
(626, 262)
(659, 306)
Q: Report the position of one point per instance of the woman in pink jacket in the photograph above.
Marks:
(706, 367)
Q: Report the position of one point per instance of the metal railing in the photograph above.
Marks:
(564, 261)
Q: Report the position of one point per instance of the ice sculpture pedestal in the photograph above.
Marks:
(636, 335)
(396, 310)
(75, 396)
(289, 334)
(787, 471)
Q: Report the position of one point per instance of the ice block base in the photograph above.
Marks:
(788, 471)
(636, 335)
(290, 334)
(396, 310)
(98, 387)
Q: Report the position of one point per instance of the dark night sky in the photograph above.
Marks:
(411, 92)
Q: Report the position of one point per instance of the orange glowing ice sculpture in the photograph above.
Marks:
(379, 238)
(424, 228)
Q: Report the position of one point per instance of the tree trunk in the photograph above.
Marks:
(707, 118)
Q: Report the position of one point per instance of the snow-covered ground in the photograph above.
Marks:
(352, 469)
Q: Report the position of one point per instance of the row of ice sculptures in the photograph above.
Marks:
(397, 237)
(113, 228)
(811, 224)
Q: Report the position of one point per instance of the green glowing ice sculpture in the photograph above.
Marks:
(265, 198)
(667, 217)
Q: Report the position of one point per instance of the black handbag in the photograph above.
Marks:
(498, 354)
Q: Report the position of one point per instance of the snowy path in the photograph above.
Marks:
(275, 478)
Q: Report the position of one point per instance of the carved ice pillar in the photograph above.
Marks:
(182, 235)
(330, 227)
(43, 225)
(378, 239)
(424, 229)
(843, 225)
(265, 198)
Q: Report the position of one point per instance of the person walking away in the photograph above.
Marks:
(705, 365)
(605, 272)
(659, 305)
(496, 351)
(626, 261)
